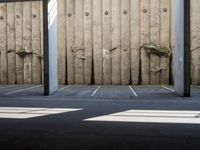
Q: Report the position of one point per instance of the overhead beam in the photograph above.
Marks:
(182, 47)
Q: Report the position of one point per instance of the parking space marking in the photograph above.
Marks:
(4, 87)
(169, 89)
(96, 91)
(66, 87)
(25, 89)
(134, 93)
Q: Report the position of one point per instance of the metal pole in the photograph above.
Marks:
(187, 44)
(46, 47)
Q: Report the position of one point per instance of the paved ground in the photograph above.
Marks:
(44, 127)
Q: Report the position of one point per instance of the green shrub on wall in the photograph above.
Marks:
(152, 48)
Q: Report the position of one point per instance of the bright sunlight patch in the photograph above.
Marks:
(152, 116)
(25, 113)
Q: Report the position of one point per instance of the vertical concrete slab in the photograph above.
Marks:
(50, 47)
(182, 47)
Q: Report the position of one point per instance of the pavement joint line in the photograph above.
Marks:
(66, 87)
(96, 91)
(25, 89)
(7, 86)
(134, 93)
(169, 89)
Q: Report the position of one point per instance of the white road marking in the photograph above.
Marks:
(169, 89)
(152, 116)
(66, 87)
(126, 114)
(148, 119)
(96, 91)
(21, 108)
(162, 111)
(25, 89)
(4, 87)
(20, 115)
(25, 113)
(134, 93)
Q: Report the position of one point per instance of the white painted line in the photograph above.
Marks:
(64, 109)
(147, 119)
(162, 111)
(151, 116)
(134, 93)
(95, 91)
(66, 87)
(7, 86)
(25, 113)
(175, 115)
(169, 89)
(21, 108)
(20, 115)
(53, 111)
(25, 89)
(12, 111)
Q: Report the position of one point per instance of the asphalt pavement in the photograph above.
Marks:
(72, 118)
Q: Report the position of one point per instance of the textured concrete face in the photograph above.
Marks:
(53, 77)
(181, 49)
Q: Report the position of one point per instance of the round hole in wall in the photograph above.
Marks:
(164, 9)
(144, 10)
(34, 16)
(106, 13)
(69, 14)
(87, 14)
(125, 11)
(17, 16)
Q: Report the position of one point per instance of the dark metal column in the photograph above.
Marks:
(46, 47)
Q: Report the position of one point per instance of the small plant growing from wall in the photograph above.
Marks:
(152, 48)
(22, 53)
